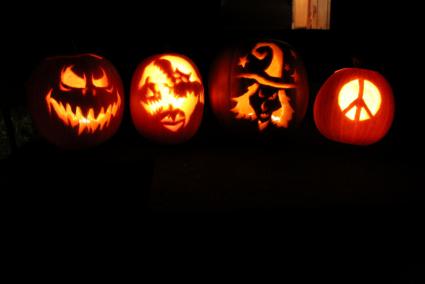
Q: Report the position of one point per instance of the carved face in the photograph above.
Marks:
(265, 86)
(354, 106)
(166, 92)
(81, 98)
(83, 102)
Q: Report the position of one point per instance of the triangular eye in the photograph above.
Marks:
(70, 79)
(102, 82)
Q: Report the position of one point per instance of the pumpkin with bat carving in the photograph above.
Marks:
(354, 106)
(259, 86)
(167, 98)
(76, 101)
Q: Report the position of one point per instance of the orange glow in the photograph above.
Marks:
(359, 100)
(263, 125)
(295, 76)
(170, 102)
(89, 122)
(183, 66)
(266, 82)
(70, 79)
(243, 108)
(163, 98)
(283, 115)
(102, 82)
(243, 61)
(275, 67)
(372, 97)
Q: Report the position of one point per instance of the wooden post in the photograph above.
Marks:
(311, 14)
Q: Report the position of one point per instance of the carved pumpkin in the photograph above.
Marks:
(76, 101)
(354, 106)
(259, 86)
(167, 98)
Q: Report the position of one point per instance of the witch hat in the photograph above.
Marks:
(272, 75)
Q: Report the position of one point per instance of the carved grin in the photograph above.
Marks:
(88, 122)
(172, 110)
(173, 120)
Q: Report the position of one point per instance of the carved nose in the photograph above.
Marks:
(89, 91)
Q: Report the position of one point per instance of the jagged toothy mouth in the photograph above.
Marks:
(87, 122)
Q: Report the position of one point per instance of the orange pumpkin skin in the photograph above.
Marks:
(354, 106)
(259, 86)
(167, 98)
(76, 101)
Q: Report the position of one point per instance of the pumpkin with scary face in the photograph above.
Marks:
(76, 101)
(260, 86)
(167, 98)
(354, 106)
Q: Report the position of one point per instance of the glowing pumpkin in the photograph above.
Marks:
(76, 101)
(167, 98)
(354, 106)
(259, 86)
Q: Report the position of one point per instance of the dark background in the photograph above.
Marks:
(218, 169)
(287, 177)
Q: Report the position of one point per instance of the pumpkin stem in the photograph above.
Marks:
(357, 62)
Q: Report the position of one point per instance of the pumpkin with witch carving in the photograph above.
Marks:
(76, 101)
(259, 86)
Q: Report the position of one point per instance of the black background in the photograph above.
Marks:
(218, 169)
(290, 176)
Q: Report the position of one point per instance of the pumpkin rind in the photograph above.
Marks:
(76, 101)
(259, 86)
(354, 106)
(167, 98)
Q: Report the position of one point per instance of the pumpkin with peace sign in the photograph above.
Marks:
(354, 106)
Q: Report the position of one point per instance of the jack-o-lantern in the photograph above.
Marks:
(354, 106)
(76, 101)
(259, 87)
(167, 98)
